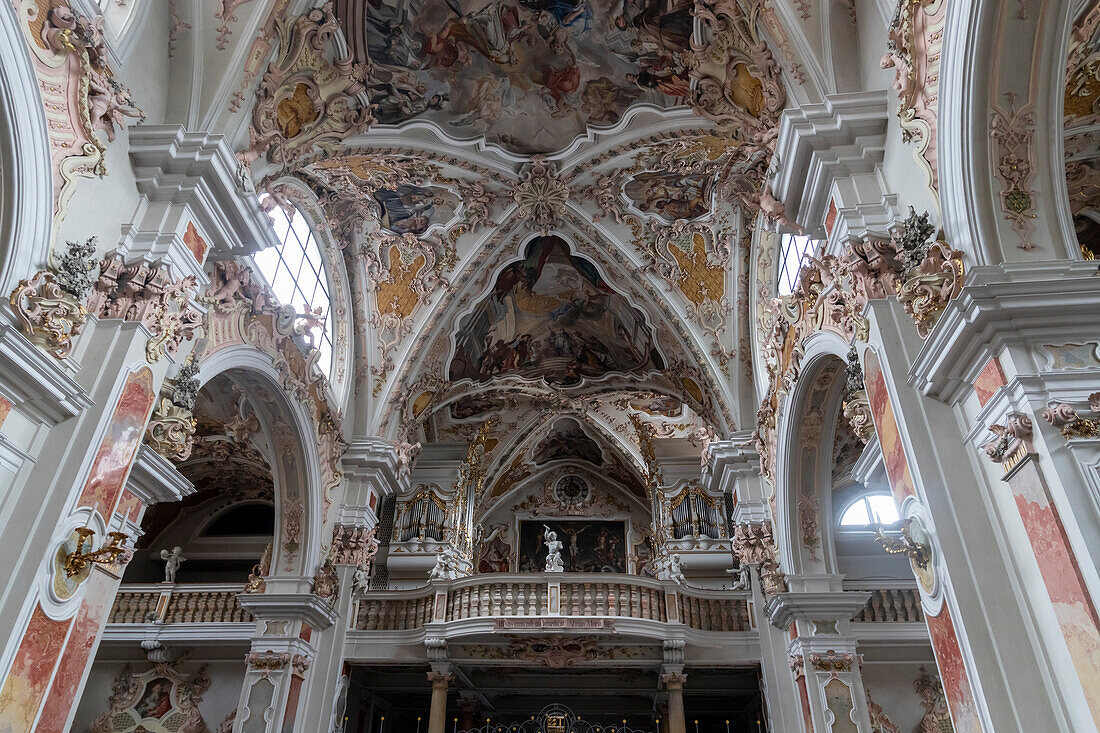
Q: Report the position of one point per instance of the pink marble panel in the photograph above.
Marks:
(5, 408)
(195, 243)
(953, 675)
(1061, 574)
(886, 426)
(99, 595)
(989, 380)
(31, 671)
(120, 443)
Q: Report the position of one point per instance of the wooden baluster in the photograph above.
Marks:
(587, 600)
(119, 609)
(370, 618)
(601, 598)
(644, 605)
(612, 599)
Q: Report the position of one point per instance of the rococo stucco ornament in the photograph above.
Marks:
(306, 99)
(80, 93)
(171, 428)
(50, 304)
(148, 294)
(542, 197)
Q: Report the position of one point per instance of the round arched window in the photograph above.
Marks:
(297, 276)
(869, 509)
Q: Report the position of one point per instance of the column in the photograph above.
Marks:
(284, 651)
(823, 659)
(735, 468)
(673, 681)
(373, 470)
(437, 717)
(930, 400)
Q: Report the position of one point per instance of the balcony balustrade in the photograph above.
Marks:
(178, 604)
(541, 596)
(891, 605)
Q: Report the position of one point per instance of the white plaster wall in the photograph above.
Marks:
(891, 686)
(100, 206)
(226, 678)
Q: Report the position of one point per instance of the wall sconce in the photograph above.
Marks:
(77, 560)
(918, 552)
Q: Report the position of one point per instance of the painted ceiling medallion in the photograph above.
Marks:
(552, 316)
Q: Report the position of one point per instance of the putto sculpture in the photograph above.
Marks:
(553, 554)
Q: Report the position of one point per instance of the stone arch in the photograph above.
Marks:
(295, 458)
(26, 175)
(803, 473)
(977, 99)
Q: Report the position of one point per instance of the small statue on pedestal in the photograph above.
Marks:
(676, 569)
(360, 579)
(172, 562)
(553, 551)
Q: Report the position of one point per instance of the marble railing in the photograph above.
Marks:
(178, 604)
(535, 596)
(889, 605)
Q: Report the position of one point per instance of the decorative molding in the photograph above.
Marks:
(354, 545)
(1001, 305)
(155, 479)
(146, 293)
(1013, 131)
(38, 385)
(306, 607)
(197, 170)
(914, 52)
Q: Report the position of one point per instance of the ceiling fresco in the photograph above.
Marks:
(529, 75)
(568, 439)
(568, 236)
(553, 316)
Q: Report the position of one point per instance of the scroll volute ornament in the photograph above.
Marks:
(50, 304)
(857, 408)
(171, 428)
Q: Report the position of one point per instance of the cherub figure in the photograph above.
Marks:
(553, 554)
(172, 562)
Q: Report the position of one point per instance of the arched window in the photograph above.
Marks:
(297, 276)
(793, 250)
(869, 509)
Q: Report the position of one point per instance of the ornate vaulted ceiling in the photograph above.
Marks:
(544, 208)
